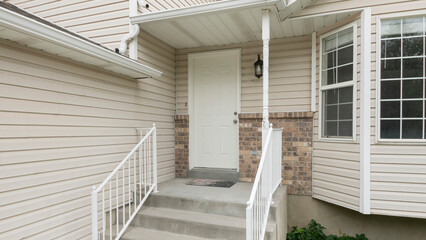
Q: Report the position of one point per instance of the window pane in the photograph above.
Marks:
(345, 73)
(391, 68)
(412, 26)
(412, 108)
(345, 37)
(345, 112)
(412, 88)
(390, 89)
(335, 110)
(390, 129)
(331, 112)
(331, 96)
(412, 129)
(328, 77)
(345, 129)
(390, 109)
(329, 43)
(345, 95)
(391, 28)
(346, 55)
(329, 60)
(413, 67)
(391, 48)
(413, 46)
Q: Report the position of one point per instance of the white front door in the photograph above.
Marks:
(214, 82)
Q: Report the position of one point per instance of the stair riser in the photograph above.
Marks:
(191, 228)
(203, 206)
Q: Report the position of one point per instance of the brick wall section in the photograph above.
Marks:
(297, 148)
(181, 145)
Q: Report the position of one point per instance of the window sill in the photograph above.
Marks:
(337, 140)
(401, 141)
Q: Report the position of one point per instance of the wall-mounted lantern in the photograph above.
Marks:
(258, 67)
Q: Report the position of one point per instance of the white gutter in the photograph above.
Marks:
(208, 8)
(117, 63)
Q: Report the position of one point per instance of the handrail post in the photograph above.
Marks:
(94, 214)
(154, 158)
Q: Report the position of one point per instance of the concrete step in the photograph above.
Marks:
(137, 233)
(226, 208)
(196, 224)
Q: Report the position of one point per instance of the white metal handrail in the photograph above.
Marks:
(117, 200)
(268, 178)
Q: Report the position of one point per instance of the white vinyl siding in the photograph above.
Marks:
(63, 128)
(336, 164)
(398, 184)
(289, 84)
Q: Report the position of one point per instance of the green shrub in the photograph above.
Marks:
(314, 231)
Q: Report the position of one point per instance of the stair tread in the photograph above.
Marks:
(135, 233)
(201, 218)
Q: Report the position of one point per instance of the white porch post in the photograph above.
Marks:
(265, 38)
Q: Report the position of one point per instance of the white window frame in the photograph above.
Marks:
(379, 20)
(352, 84)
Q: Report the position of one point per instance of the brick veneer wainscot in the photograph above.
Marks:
(181, 146)
(297, 148)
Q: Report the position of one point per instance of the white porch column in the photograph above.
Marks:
(265, 38)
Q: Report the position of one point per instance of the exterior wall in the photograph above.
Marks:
(103, 21)
(339, 221)
(296, 145)
(336, 165)
(63, 128)
(290, 77)
(392, 191)
(182, 145)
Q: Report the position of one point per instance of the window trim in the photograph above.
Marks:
(379, 19)
(352, 83)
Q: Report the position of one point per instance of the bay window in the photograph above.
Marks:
(402, 78)
(337, 84)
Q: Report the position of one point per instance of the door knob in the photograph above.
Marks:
(235, 113)
(235, 121)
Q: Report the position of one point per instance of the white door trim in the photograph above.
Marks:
(191, 57)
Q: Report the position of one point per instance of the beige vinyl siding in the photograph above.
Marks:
(336, 165)
(290, 84)
(63, 128)
(103, 21)
(398, 183)
(398, 171)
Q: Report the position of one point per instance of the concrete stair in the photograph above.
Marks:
(189, 214)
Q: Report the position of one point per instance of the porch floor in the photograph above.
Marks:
(238, 193)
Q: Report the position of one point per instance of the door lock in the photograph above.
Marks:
(235, 121)
(235, 113)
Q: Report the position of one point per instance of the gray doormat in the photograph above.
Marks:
(211, 183)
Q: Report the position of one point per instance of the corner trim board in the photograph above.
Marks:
(365, 112)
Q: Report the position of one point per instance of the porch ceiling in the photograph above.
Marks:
(232, 21)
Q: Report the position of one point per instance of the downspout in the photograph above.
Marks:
(134, 30)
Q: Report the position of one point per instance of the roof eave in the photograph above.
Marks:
(208, 8)
(119, 63)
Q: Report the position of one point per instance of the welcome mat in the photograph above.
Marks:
(211, 183)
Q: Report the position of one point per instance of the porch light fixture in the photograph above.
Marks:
(258, 67)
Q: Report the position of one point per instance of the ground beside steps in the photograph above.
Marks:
(180, 211)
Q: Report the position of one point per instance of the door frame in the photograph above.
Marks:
(191, 56)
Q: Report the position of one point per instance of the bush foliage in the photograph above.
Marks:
(315, 231)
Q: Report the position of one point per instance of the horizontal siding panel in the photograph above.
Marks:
(399, 177)
(338, 197)
(337, 187)
(351, 182)
(398, 187)
(336, 171)
(399, 197)
(63, 128)
(397, 208)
